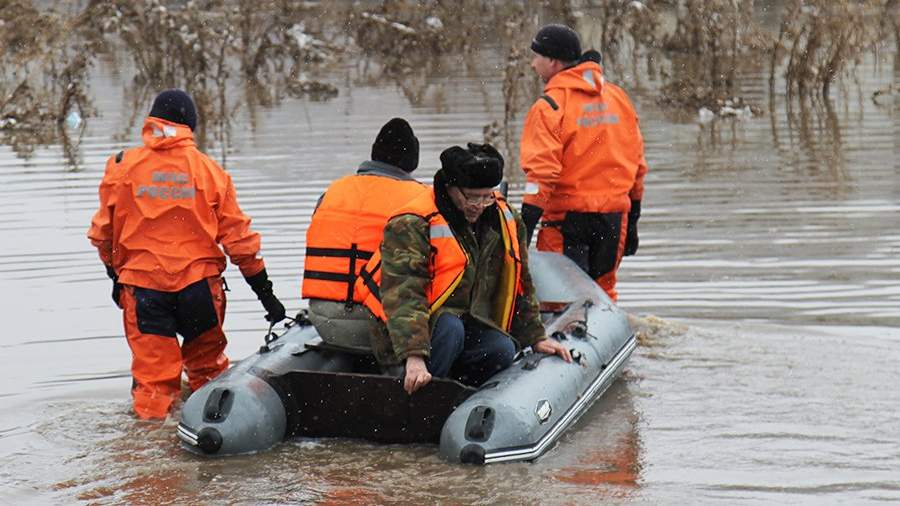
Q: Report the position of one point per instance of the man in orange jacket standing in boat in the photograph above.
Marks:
(166, 213)
(583, 157)
(346, 229)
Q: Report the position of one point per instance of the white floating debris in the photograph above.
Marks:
(434, 22)
(402, 28)
(303, 39)
(384, 21)
(705, 115)
(728, 111)
(73, 119)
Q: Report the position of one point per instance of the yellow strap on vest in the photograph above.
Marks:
(506, 296)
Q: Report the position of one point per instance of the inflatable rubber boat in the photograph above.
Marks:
(298, 386)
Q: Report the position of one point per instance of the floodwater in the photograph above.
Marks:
(766, 292)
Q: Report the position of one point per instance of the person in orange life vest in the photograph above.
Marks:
(583, 158)
(166, 212)
(450, 284)
(346, 229)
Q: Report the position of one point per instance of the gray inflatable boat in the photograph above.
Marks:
(298, 386)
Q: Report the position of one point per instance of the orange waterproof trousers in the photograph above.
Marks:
(153, 319)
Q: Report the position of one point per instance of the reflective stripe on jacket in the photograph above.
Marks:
(346, 229)
(164, 210)
(581, 147)
(449, 261)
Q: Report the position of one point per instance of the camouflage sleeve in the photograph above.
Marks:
(405, 275)
(527, 326)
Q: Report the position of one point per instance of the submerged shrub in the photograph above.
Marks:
(202, 45)
(43, 79)
(822, 39)
(710, 40)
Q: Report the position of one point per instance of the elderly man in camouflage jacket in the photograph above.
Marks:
(455, 296)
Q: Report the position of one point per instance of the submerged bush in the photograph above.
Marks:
(710, 41)
(822, 39)
(267, 50)
(43, 79)
(201, 45)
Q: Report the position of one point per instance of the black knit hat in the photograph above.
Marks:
(558, 42)
(397, 145)
(176, 106)
(479, 166)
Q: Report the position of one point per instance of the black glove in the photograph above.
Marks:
(117, 287)
(262, 287)
(631, 239)
(530, 215)
(116, 293)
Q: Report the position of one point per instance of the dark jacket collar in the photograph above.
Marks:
(375, 168)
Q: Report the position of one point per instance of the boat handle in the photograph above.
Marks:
(531, 365)
(577, 356)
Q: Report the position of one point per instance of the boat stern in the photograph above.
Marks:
(242, 415)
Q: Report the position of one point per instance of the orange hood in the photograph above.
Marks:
(586, 77)
(162, 134)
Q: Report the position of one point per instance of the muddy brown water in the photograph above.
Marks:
(766, 292)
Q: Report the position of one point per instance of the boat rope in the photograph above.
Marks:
(270, 335)
(302, 319)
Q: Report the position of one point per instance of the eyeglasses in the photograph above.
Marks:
(481, 200)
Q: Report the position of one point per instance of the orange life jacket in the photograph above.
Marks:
(164, 210)
(581, 146)
(449, 263)
(346, 229)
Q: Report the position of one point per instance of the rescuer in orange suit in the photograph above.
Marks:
(583, 157)
(346, 229)
(166, 213)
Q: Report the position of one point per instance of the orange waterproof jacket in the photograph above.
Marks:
(581, 147)
(449, 262)
(347, 228)
(164, 210)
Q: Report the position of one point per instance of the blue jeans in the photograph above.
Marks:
(468, 351)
